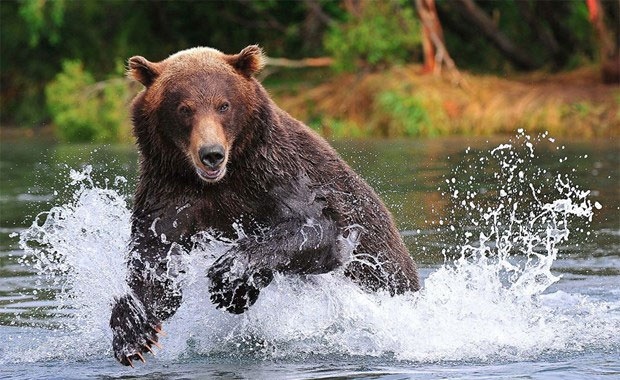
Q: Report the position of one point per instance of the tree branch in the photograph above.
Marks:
(543, 33)
(299, 63)
(511, 51)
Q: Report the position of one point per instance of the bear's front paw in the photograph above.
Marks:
(234, 286)
(133, 332)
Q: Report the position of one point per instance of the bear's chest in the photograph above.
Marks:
(224, 212)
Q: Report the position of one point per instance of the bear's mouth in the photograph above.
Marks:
(210, 175)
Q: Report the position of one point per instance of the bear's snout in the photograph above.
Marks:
(212, 156)
(212, 166)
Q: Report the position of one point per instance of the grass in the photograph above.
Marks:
(402, 102)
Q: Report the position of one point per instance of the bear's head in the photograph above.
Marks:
(196, 104)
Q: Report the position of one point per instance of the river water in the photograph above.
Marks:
(517, 239)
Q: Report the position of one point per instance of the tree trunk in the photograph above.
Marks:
(480, 19)
(610, 56)
(435, 52)
(425, 10)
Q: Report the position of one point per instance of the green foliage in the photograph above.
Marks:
(405, 114)
(336, 128)
(43, 18)
(37, 36)
(83, 110)
(386, 32)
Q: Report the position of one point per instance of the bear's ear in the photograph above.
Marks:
(143, 70)
(249, 61)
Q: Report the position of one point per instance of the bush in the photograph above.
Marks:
(405, 114)
(84, 110)
(334, 128)
(386, 33)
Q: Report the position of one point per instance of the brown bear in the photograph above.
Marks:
(216, 154)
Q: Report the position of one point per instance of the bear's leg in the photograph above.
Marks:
(136, 318)
(296, 246)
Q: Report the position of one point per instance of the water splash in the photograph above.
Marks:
(520, 213)
(489, 300)
(78, 250)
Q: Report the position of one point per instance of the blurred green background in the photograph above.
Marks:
(62, 63)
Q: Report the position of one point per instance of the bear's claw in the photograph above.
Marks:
(148, 348)
(129, 354)
(132, 334)
(159, 330)
(154, 343)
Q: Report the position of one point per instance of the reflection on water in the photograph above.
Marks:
(440, 192)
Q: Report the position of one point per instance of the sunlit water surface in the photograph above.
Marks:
(518, 242)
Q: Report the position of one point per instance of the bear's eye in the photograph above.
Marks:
(223, 107)
(185, 110)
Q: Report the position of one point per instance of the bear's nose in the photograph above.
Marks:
(211, 156)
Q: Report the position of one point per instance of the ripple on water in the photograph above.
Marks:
(496, 297)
